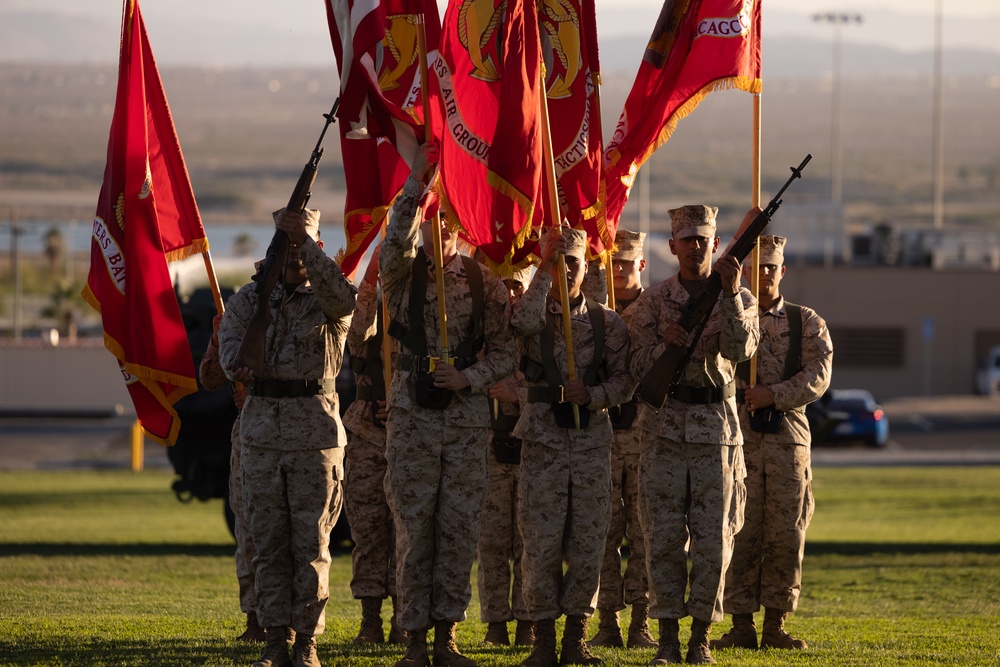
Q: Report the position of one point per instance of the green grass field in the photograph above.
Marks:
(107, 568)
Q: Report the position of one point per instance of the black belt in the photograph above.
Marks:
(408, 362)
(292, 388)
(740, 395)
(701, 395)
(545, 394)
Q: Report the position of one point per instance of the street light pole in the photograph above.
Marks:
(836, 144)
(938, 151)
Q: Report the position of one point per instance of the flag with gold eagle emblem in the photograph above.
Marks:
(568, 30)
(697, 46)
(381, 108)
(146, 216)
(487, 84)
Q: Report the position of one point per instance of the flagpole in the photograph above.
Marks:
(595, 78)
(213, 281)
(550, 185)
(755, 202)
(436, 225)
(386, 341)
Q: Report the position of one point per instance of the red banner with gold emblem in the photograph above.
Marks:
(697, 46)
(381, 108)
(487, 81)
(568, 30)
(146, 216)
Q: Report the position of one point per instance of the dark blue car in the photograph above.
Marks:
(848, 415)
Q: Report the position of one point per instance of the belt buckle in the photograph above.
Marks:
(432, 362)
(562, 393)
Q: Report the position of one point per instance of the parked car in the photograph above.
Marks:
(848, 415)
(988, 374)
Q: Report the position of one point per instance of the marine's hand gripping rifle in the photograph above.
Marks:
(272, 269)
(666, 371)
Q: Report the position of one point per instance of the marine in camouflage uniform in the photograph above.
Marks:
(564, 503)
(373, 576)
(767, 558)
(213, 378)
(691, 466)
(436, 475)
(618, 589)
(292, 438)
(498, 577)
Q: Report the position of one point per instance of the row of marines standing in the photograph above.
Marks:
(432, 471)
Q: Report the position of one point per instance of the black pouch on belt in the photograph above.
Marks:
(506, 449)
(766, 420)
(426, 394)
(563, 412)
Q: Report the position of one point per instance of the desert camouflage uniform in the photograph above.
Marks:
(499, 535)
(565, 498)
(766, 568)
(436, 476)
(618, 590)
(691, 467)
(372, 560)
(292, 448)
(213, 378)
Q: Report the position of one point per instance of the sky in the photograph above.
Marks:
(289, 11)
(299, 22)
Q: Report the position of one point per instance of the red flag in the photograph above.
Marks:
(488, 81)
(697, 46)
(381, 108)
(146, 216)
(569, 48)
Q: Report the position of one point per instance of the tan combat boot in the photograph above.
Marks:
(304, 651)
(416, 650)
(639, 635)
(254, 634)
(669, 652)
(524, 633)
(371, 631)
(774, 635)
(609, 633)
(544, 652)
(742, 635)
(445, 651)
(496, 634)
(276, 652)
(574, 647)
(699, 652)
(397, 635)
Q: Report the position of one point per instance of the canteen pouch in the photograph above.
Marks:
(506, 450)
(766, 420)
(563, 412)
(622, 416)
(426, 395)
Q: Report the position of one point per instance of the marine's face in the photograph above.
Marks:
(695, 252)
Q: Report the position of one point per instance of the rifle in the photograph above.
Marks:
(657, 383)
(272, 269)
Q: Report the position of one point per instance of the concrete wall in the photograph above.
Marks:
(943, 314)
(70, 379)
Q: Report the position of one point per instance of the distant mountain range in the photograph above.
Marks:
(795, 46)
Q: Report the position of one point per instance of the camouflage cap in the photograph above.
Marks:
(693, 220)
(772, 249)
(629, 244)
(522, 275)
(576, 242)
(311, 216)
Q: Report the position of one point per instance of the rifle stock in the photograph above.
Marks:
(271, 272)
(666, 370)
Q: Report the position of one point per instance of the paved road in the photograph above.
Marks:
(948, 430)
